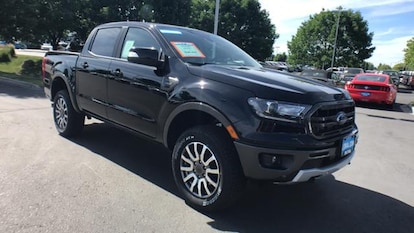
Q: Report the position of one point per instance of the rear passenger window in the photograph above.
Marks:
(105, 41)
(138, 38)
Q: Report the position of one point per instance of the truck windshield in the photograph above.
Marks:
(199, 48)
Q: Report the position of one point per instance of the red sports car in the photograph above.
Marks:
(375, 88)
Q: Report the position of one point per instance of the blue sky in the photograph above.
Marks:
(391, 21)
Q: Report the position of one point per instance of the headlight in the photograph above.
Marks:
(278, 110)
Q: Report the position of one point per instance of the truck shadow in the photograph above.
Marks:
(328, 205)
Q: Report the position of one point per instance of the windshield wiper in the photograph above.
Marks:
(200, 64)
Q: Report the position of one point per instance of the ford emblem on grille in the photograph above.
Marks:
(341, 118)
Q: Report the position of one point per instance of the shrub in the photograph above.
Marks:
(7, 53)
(12, 51)
(30, 67)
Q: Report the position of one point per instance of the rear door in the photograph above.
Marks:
(93, 69)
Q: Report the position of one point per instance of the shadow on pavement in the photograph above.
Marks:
(405, 89)
(20, 89)
(405, 108)
(327, 205)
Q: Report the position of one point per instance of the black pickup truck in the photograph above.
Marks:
(225, 118)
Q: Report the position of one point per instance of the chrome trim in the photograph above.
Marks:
(305, 175)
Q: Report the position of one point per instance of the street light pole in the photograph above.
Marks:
(336, 37)
(216, 17)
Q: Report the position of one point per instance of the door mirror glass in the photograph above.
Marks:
(145, 56)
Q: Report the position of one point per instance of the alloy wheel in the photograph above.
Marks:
(200, 170)
(61, 113)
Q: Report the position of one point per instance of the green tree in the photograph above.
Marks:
(368, 66)
(314, 41)
(18, 20)
(240, 21)
(55, 18)
(280, 57)
(399, 66)
(175, 12)
(409, 54)
(384, 67)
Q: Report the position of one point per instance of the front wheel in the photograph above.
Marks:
(206, 168)
(68, 122)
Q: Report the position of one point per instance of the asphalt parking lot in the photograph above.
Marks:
(110, 181)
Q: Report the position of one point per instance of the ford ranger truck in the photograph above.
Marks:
(224, 117)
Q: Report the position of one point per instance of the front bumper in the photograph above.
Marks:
(307, 174)
(295, 165)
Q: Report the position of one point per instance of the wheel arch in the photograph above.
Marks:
(61, 83)
(192, 114)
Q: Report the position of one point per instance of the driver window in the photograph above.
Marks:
(138, 38)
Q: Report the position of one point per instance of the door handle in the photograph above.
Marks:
(118, 73)
(85, 65)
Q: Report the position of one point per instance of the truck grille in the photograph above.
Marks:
(333, 120)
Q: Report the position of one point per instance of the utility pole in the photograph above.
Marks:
(216, 17)
(336, 36)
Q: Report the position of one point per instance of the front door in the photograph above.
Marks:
(134, 91)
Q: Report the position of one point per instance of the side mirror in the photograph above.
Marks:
(145, 56)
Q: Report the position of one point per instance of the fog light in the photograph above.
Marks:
(274, 161)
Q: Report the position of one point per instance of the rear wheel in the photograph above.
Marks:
(206, 168)
(68, 122)
(391, 106)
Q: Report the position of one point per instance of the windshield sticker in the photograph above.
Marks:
(187, 49)
(165, 31)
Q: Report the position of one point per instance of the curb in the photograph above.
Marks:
(19, 83)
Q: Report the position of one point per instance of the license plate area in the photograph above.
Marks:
(348, 145)
(365, 94)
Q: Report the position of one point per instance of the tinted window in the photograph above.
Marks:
(354, 70)
(138, 38)
(372, 78)
(105, 41)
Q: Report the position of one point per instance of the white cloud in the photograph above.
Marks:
(384, 10)
(288, 16)
(389, 52)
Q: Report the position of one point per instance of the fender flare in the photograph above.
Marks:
(198, 106)
(60, 75)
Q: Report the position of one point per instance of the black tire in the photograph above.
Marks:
(68, 122)
(390, 106)
(215, 183)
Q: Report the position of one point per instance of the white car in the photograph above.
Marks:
(46, 46)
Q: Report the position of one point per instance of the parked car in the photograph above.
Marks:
(327, 77)
(407, 78)
(344, 78)
(278, 65)
(346, 74)
(375, 88)
(352, 70)
(393, 74)
(20, 45)
(46, 46)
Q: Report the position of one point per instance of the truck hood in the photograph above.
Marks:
(271, 84)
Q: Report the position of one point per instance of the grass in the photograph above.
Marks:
(22, 68)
